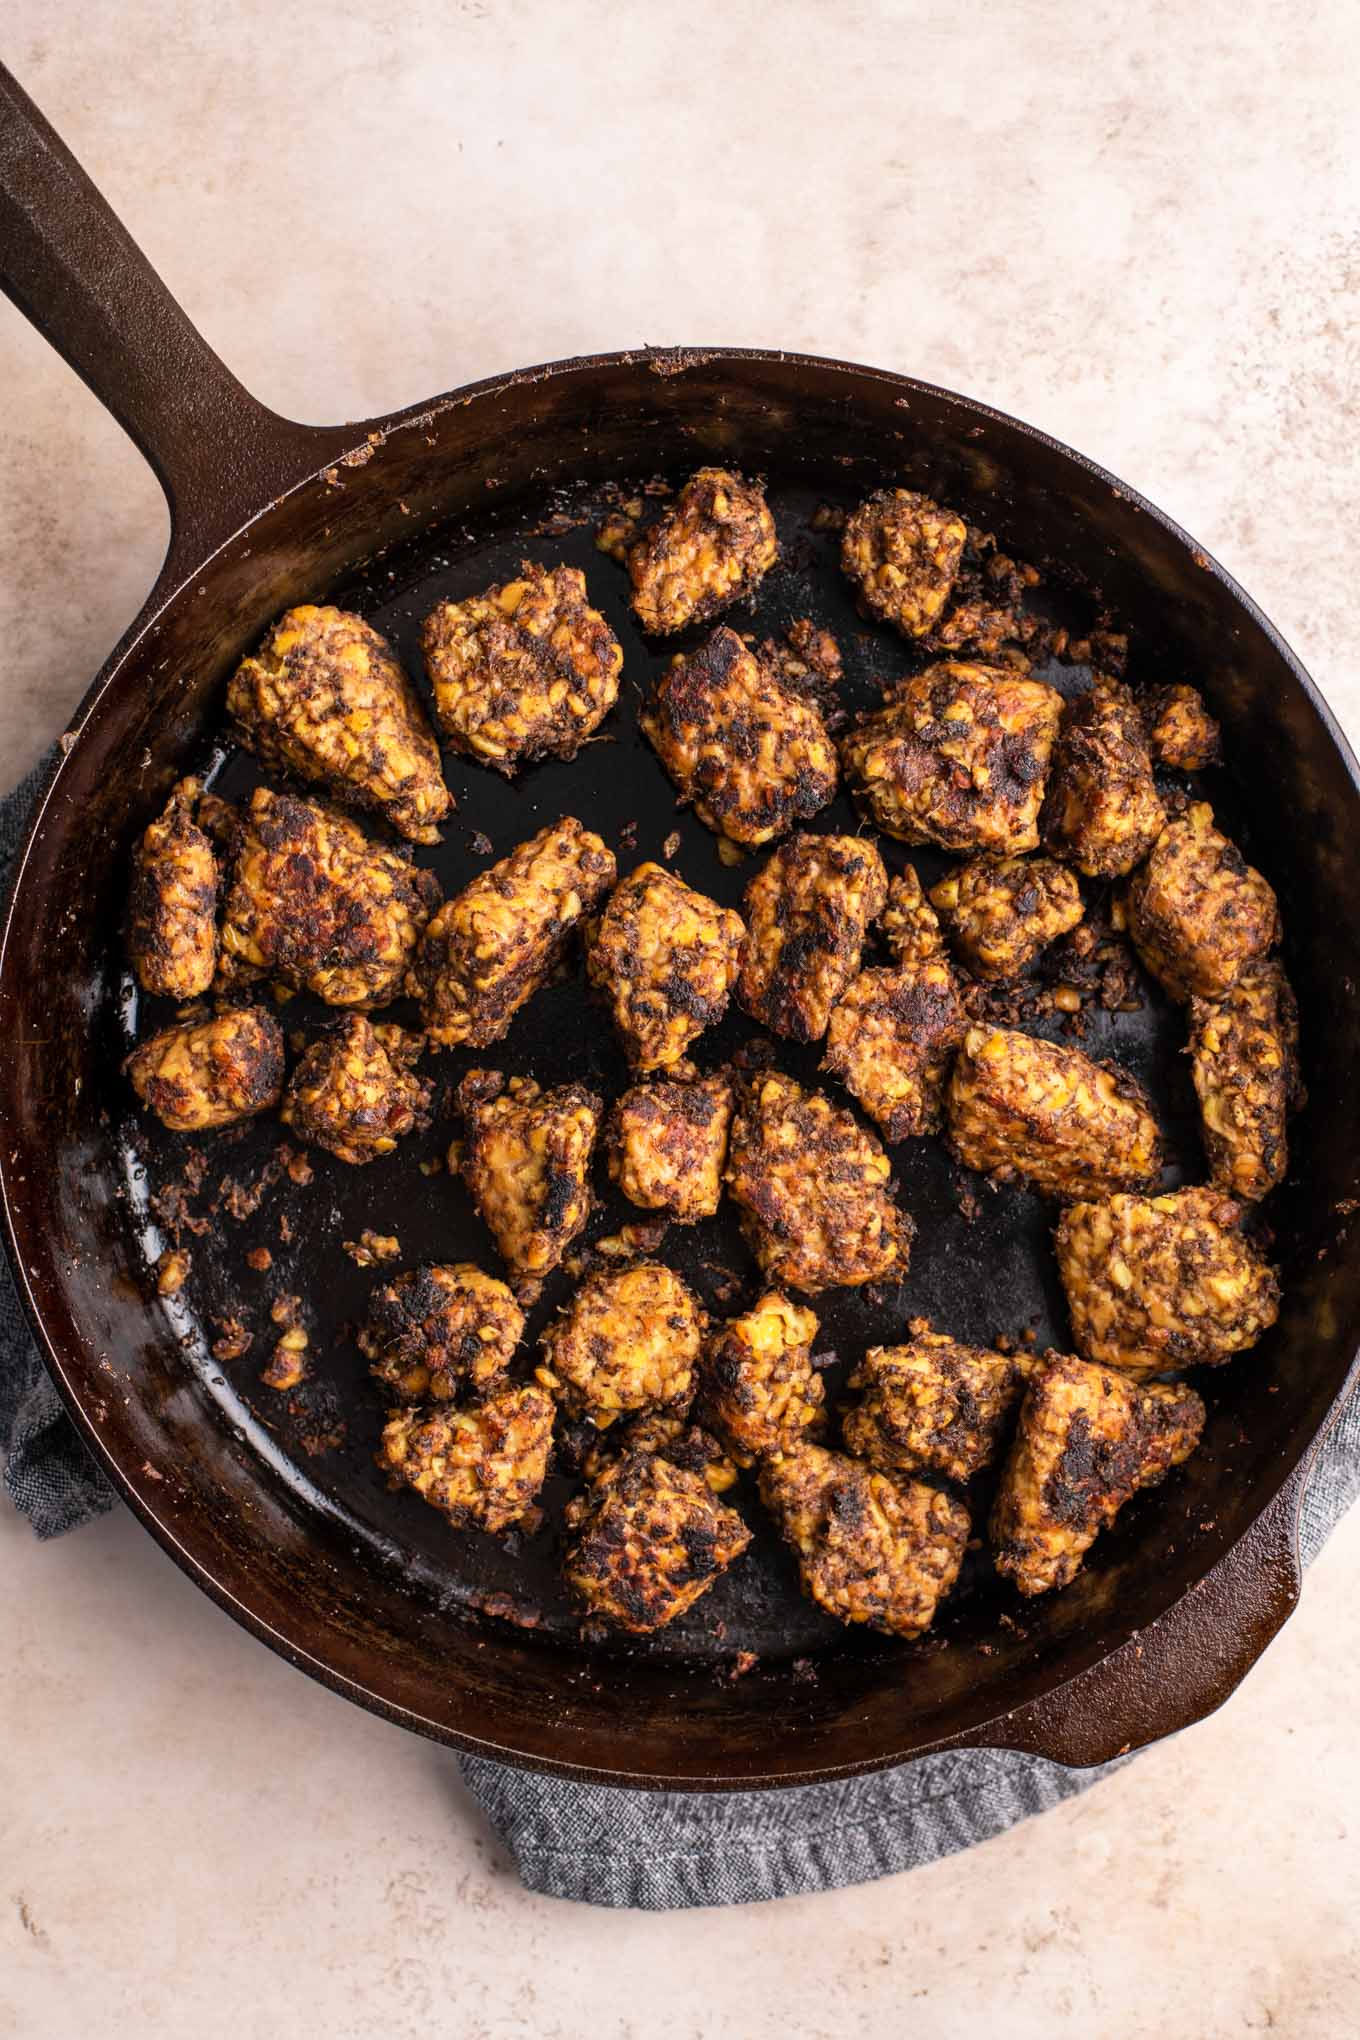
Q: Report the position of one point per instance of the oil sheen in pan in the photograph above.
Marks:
(978, 1276)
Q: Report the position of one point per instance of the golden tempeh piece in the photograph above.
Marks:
(1198, 912)
(1071, 1127)
(870, 1548)
(760, 1392)
(891, 1040)
(527, 670)
(957, 755)
(1156, 1284)
(355, 1092)
(315, 904)
(902, 553)
(326, 697)
(932, 1405)
(668, 1144)
(910, 927)
(490, 948)
(750, 752)
(648, 1538)
(713, 543)
(481, 1467)
(525, 1159)
(1244, 1058)
(436, 1331)
(808, 910)
(1002, 912)
(210, 1071)
(1181, 732)
(814, 1189)
(1088, 1440)
(667, 957)
(629, 1339)
(1102, 812)
(172, 913)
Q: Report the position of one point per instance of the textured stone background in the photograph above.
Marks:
(1137, 228)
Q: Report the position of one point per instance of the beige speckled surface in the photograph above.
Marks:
(1136, 228)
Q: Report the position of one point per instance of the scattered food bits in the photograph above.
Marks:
(172, 1271)
(372, 1247)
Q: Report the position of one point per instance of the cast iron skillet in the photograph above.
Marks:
(1177, 1603)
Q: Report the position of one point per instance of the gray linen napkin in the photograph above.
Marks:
(598, 1844)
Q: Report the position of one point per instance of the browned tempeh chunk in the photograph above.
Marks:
(326, 698)
(808, 910)
(1088, 1440)
(666, 957)
(710, 546)
(172, 913)
(490, 948)
(1198, 913)
(1155, 1284)
(750, 752)
(211, 1070)
(957, 755)
(870, 1549)
(1072, 1127)
(526, 670)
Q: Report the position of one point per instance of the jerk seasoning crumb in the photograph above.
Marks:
(932, 1405)
(1102, 812)
(629, 1339)
(172, 916)
(902, 552)
(808, 910)
(527, 670)
(436, 1331)
(807, 660)
(1071, 1127)
(759, 1391)
(233, 1340)
(287, 1365)
(1088, 1440)
(1002, 912)
(492, 946)
(1181, 732)
(1198, 913)
(959, 756)
(326, 698)
(1244, 1058)
(647, 1539)
(482, 1467)
(318, 906)
(172, 1271)
(711, 545)
(354, 1091)
(891, 1040)
(372, 1247)
(1156, 1284)
(752, 754)
(667, 1143)
(526, 1162)
(870, 1549)
(666, 958)
(814, 1190)
(910, 927)
(211, 1071)
(986, 617)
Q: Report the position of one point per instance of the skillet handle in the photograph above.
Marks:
(73, 269)
(1187, 1663)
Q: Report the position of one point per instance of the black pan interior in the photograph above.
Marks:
(981, 1266)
